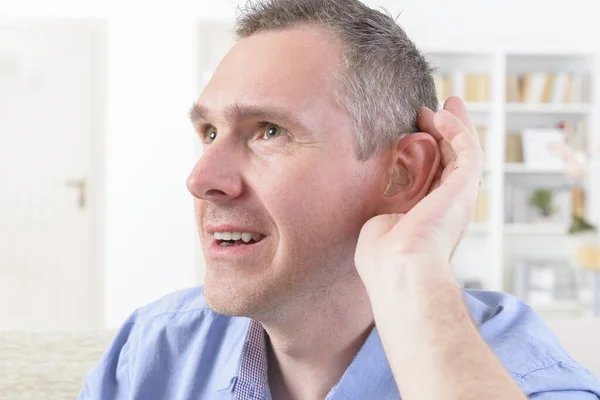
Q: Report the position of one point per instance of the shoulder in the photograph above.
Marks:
(515, 332)
(179, 302)
(528, 349)
(163, 338)
(183, 312)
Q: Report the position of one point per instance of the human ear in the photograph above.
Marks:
(415, 161)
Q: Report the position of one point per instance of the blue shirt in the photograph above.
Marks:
(177, 348)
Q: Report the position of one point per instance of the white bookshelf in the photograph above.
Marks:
(522, 169)
(577, 109)
(538, 229)
(504, 241)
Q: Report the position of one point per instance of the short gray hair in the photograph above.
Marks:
(387, 79)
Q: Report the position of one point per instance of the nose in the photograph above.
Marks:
(216, 176)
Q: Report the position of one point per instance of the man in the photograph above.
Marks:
(327, 222)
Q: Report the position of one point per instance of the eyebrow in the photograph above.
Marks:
(238, 112)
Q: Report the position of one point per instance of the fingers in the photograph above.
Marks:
(468, 152)
(425, 122)
(457, 107)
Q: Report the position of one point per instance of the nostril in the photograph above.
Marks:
(214, 193)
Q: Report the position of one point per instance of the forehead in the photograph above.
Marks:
(295, 68)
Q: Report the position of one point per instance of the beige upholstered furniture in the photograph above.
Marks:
(48, 365)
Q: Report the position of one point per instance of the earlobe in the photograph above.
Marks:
(399, 179)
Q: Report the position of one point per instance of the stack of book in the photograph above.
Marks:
(472, 86)
(545, 87)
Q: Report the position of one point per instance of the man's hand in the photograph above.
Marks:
(433, 348)
(428, 234)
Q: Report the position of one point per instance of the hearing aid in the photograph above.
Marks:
(398, 179)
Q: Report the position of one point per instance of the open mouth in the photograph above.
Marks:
(227, 239)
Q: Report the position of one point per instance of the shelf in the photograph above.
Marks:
(535, 229)
(560, 306)
(523, 108)
(523, 169)
(479, 107)
(473, 107)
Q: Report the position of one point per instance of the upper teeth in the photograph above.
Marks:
(245, 236)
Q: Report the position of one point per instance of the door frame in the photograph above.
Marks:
(97, 179)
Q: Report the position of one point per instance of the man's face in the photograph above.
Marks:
(278, 163)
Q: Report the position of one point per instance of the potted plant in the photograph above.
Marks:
(541, 199)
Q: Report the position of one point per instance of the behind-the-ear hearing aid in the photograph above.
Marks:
(398, 179)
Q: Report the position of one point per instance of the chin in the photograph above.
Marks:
(235, 299)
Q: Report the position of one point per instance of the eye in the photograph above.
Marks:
(272, 131)
(210, 134)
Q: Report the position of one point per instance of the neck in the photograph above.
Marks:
(310, 347)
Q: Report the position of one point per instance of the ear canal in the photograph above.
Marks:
(399, 179)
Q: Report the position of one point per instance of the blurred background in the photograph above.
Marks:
(95, 148)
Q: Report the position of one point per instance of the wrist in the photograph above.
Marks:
(412, 283)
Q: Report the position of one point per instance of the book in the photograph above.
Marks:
(577, 202)
(577, 89)
(569, 90)
(440, 86)
(547, 89)
(481, 134)
(448, 85)
(525, 83)
(534, 86)
(514, 148)
(513, 91)
(476, 87)
(558, 91)
(443, 87)
(482, 207)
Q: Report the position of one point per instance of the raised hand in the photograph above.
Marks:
(428, 234)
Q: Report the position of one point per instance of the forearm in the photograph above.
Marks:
(433, 348)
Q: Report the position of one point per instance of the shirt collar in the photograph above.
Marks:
(252, 380)
(234, 346)
(246, 367)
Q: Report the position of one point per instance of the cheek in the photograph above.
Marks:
(312, 204)
(199, 209)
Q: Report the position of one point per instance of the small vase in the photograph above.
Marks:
(584, 250)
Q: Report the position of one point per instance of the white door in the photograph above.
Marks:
(45, 88)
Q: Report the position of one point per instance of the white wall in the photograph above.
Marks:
(149, 233)
(149, 238)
